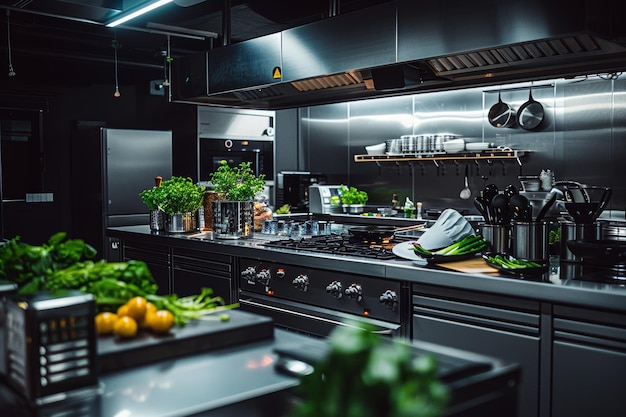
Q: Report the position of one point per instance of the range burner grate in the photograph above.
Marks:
(336, 244)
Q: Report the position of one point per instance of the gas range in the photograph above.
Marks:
(314, 300)
(337, 244)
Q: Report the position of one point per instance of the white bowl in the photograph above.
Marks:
(378, 149)
(454, 145)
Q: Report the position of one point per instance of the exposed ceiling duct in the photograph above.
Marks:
(404, 46)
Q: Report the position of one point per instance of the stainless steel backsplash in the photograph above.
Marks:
(582, 138)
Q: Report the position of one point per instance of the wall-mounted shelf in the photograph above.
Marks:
(459, 156)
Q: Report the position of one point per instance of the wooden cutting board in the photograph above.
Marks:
(470, 266)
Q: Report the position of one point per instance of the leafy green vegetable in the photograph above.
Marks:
(510, 262)
(554, 236)
(192, 307)
(363, 376)
(67, 264)
(284, 209)
(178, 195)
(466, 246)
(352, 195)
(236, 183)
(28, 265)
(151, 197)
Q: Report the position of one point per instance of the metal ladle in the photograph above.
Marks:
(466, 192)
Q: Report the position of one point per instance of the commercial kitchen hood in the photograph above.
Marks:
(404, 46)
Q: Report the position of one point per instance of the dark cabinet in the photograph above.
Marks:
(588, 363)
(501, 327)
(194, 269)
(157, 258)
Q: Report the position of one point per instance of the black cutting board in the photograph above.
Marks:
(195, 337)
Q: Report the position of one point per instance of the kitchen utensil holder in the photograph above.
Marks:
(498, 236)
(529, 240)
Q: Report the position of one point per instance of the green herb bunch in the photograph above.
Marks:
(150, 197)
(236, 183)
(364, 376)
(173, 196)
(29, 266)
(352, 195)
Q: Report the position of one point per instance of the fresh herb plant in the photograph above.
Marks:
(150, 197)
(179, 195)
(350, 195)
(364, 376)
(236, 183)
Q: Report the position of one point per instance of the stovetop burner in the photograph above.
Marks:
(337, 245)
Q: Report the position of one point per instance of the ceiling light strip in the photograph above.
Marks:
(141, 11)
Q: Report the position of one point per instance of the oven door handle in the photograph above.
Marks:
(382, 331)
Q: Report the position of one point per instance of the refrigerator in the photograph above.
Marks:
(110, 167)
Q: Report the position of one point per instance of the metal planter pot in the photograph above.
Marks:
(180, 222)
(233, 219)
(157, 220)
(353, 208)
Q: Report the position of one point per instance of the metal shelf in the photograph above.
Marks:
(460, 156)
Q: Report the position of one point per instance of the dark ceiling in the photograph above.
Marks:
(66, 42)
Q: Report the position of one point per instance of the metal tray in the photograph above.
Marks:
(196, 337)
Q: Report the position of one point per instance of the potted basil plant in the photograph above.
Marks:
(363, 375)
(150, 198)
(179, 199)
(233, 211)
(352, 200)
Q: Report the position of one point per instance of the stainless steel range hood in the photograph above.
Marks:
(404, 46)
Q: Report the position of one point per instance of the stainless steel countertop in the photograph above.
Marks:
(190, 385)
(554, 287)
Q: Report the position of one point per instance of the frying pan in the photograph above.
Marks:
(599, 252)
(378, 233)
(530, 114)
(501, 114)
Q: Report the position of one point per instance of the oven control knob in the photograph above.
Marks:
(249, 273)
(335, 289)
(390, 299)
(301, 282)
(263, 277)
(354, 291)
(280, 273)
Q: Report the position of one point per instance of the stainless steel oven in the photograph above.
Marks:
(260, 154)
(314, 300)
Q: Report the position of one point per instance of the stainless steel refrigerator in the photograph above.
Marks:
(110, 167)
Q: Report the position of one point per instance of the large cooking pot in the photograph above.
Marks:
(501, 114)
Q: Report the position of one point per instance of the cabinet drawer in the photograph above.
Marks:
(147, 252)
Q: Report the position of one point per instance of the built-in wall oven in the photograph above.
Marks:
(315, 300)
(259, 153)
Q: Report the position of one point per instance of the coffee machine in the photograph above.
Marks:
(292, 187)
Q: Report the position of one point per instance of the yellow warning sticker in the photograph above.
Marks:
(276, 73)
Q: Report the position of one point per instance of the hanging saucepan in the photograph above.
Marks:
(530, 114)
(501, 114)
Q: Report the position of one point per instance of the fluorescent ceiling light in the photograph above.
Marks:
(138, 12)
